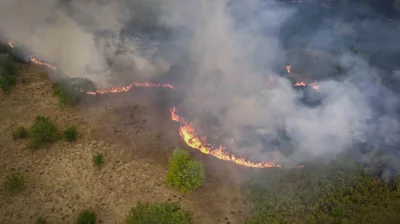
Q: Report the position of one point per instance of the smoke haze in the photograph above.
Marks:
(233, 53)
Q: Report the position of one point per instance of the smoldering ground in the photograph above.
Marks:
(229, 56)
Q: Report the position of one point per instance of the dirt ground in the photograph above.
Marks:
(136, 137)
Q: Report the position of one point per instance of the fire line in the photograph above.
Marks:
(186, 130)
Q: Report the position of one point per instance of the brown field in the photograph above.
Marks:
(136, 137)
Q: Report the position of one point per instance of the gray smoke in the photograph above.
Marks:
(231, 50)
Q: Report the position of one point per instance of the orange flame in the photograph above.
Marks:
(129, 87)
(10, 44)
(313, 85)
(188, 133)
(35, 60)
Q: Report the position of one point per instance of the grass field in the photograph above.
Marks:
(136, 139)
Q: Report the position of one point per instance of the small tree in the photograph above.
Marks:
(42, 131)
(163, 213)
(98, 159)
(184, 173)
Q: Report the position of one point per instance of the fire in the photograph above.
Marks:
(35, 60)
(188, 133)
(129, 87)
(313, 85)
(10, 44)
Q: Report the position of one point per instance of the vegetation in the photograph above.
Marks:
(70, 134)
(40, 220)
(86, 217)
(184, 173)
(13, 183)
(70, 91)
(322, 194)
(43, 131)
(20, 132)
(163, 213)
(7, 74)
(98, 159)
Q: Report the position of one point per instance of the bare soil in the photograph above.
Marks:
(136, 136)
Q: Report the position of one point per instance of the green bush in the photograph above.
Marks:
(184, 173)
(70, 90)
(163, 213)
(86, 217)
(98, 159)
(43, 131)
(70, 134)
(13, 183)
(20, 132)
(40, 220)
(7, 74)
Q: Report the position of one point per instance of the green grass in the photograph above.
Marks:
(13, 183)
(19, 133)
(98, 159)
(86, 217)
(42, 132)
(184, 173)
(70, 134)
(165, 213)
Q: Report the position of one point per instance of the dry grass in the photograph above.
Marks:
(134, 137)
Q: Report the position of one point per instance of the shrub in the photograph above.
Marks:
(40, 220)
(70, 134)
(7, 74)
(184, 173)
(165, 213)
(70, 91)
(86, 217)
(13, 183)
(43, 131)
(20, 132)
(98, 159)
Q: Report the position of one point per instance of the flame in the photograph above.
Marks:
(10, 44)
(35, 60)
(313, 85)
(188, 133)
(129, 87)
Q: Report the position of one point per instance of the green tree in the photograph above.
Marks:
(160, 213)
(184, 173)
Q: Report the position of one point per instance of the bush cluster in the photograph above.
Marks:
(165, 213)
(43, 131)
(70, 91)
(184, 173)
(7, 74)
(70, 134)
(86, 217)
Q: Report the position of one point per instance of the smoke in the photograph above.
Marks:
(234, 54)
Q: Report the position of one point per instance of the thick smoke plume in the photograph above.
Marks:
(233, 54)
